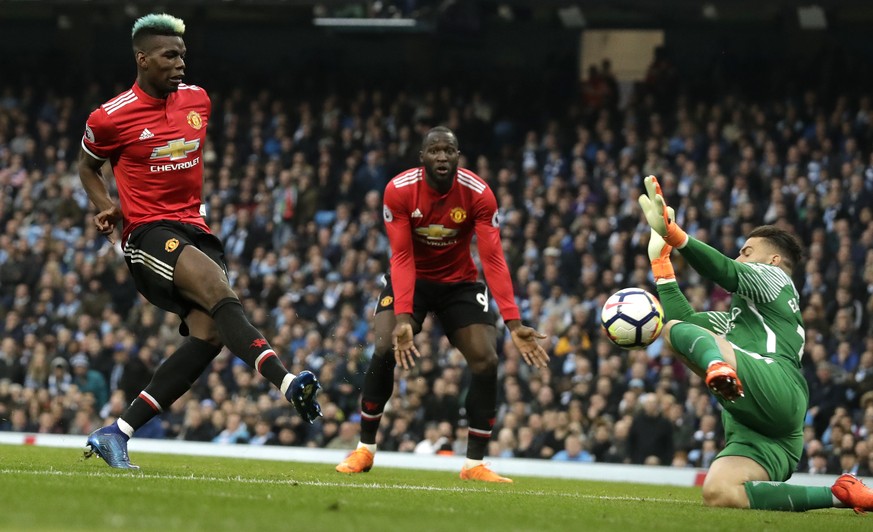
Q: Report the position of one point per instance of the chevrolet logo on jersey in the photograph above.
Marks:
(435, 232)
(176, 149)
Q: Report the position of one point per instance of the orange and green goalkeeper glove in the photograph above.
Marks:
(659, 255)
(655, 210)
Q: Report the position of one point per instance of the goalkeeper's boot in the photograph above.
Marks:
(853, 493)
(722, 380)
(110, 444)
(358, 461)
(482, 474)
(302, 393)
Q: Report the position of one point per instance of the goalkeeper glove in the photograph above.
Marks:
(659, 254)
(655, 210)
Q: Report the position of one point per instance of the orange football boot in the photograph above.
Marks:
(482, 474)
(853, 493)
(722, 379)
(358, 461)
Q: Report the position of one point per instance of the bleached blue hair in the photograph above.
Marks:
(157, 24)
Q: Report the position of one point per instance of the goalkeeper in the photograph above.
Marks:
(749, 358)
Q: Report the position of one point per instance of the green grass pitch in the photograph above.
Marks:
(54, 489)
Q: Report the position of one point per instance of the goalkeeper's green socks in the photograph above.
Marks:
(788, 497)
(696, 344)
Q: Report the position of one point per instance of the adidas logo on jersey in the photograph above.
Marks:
(146, 134)
(416, 214)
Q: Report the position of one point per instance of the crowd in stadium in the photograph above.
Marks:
(293, 189)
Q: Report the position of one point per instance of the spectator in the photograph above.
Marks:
(651, 434)
(574, 450)
(234, 431)
(346, 438)
(89, 380)
(433, 441)
(60, 380)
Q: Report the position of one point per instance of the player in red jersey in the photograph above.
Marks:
(153, 135)
(431, 214)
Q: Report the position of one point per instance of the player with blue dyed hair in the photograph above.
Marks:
(153, 136)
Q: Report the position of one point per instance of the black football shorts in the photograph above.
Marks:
(151, 253)
(456, 305)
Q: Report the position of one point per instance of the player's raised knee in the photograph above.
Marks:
(719, 495)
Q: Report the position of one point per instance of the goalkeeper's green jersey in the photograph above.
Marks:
(764, 317)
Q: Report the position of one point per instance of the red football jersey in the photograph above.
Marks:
(430, 235)
(154, 146)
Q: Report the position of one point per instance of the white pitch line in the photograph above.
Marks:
(321, 483)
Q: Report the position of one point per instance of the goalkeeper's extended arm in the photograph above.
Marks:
(703, 258)
(712, 264)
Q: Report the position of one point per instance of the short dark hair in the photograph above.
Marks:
(786, 243)
(434, 130)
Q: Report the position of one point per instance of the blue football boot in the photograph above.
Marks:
(110, 444)
(302, 393)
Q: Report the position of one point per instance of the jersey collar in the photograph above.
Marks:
(149, 100)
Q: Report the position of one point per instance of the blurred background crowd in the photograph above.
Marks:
(293, 187)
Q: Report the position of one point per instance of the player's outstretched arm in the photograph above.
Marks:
(676, 306)
(525, 340)
(708, 261)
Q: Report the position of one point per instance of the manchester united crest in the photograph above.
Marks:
(171, 245)
(194, 120)
(387, 300)
(458, 215)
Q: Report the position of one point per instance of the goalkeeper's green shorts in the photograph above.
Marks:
(766, 425)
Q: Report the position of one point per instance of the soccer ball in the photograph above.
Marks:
(632, 318)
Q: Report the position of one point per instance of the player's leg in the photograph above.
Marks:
(764, 441)
(172, 379)
(749, 472)
(153, 273)
(378, 383)
(710, 356)
(478, 343)
(200, 276)
(724, 485)
(177, 374)
(740, 482)
(379, 378)
(377, 389)
(469, 325)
